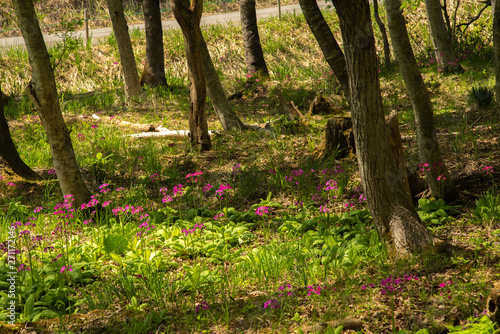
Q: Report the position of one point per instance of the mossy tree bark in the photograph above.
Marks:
(9, 152)
(327, 43)
(496, 48)
(392, 210)
(127, 59)
(444, 50)
(254, 56)
(154, 67)
(43, 93)
(188, 15)
(222, 107)
(436, 172)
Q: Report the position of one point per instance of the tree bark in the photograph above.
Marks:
(188, 15)
(327, 43)
(254, 57)
(43, 93)
(496, 48)
(385, 40)
(222, 107)
(127, 59)
(9, 152)
(154, 68)
(445, 53)
(392, 210)
(437, 175)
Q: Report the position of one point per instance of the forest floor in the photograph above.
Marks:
(289, 247)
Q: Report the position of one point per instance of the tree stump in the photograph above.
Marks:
(339, 138)
(492, 304)
(321, 106)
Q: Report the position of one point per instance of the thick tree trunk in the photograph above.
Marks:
(9, 152)
(154, 67)
(127, 59)
(437, 175)
(385, 40)
(188, 16)
(392, 210)
(222, 107)
(496, 48)
(327, 43)
(445, 53)
(254, 57)
(43, 93)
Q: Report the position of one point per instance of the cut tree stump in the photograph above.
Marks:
(321, 106)
(493, 304)
(338, 139)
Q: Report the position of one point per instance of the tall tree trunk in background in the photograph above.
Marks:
(392, 210)
(327, 43)
(9, 152)
(496, 48)
(154, 68)
(222, 107)
(445, 53)
(385, 40)
(188, 15)
(436, 173)
(43, 93)
(254, 57)
(127, 59)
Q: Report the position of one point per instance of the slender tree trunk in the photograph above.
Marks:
(188, 15)
(496, 48)
(392, 210)
(254, 56)
(43, 93)
(385, 40)
(445, 53)
(327, 43)
(437, 175)
(127, 59)
(9, 152)
(222, 107)
(154, 67)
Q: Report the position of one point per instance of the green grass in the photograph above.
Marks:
(148, 260)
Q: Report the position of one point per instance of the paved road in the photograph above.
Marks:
(226, 18)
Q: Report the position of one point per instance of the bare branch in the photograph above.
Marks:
(475, 18)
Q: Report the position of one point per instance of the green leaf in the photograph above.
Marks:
(29, 305)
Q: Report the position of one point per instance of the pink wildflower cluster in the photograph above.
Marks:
(127, 208)
(314, 290)
(219, 215)
(272, 303)
(192, 230)
(488, 169)
(284, 289)
(165, 198)
(66, 268)
(201, 306)
(263, 210)
(193, 177)
(221, 191)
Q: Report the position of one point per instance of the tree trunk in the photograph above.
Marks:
(385, 40)
(437, 175)
(338, 140)
(392, 121)
(496, 48)
(254, 57)
(9, 152)
(445, 53)
(43, 93)
(327, 43)
(222, 107)
(392, 210)
(154, 68)
(188, 16)
(127, 59)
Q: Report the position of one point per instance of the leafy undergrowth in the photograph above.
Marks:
(257, 235)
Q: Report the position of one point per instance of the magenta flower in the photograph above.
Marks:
(314, 289)
(68, 268)
(207, 187)
(201, 306)
(221, 191)
(272, 303)
(488, 170)
(262, 210)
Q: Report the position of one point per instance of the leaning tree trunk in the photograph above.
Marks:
(436, 172)
(496, 48)
(254, 57)
(445, 53)
(42, 91)
(154, 68)
(9, 152)
(392, 210)
(127, 59)
(188, 16)
(385, 40)
(222, 107)
(329, 46)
